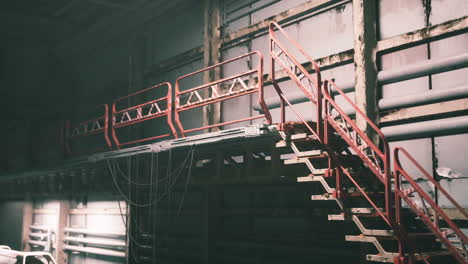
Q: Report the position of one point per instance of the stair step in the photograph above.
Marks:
(281, 144)
(338, 217)
(302, 137)
(379, 233)
(302, 159)
(324, 197)
(310, 178)
(363, 211)
(360, 238)
(297, 160)
(381, 258)
(312, 153)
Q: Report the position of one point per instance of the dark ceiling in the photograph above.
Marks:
(68, 17)
(41, 26)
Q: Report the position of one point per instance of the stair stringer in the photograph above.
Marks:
(383, 256)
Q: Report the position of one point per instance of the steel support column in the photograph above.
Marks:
(211, 55)
(27, 221)
(365, 41)
(62, 222)
(211, 207)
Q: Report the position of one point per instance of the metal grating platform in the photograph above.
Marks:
(229, 135)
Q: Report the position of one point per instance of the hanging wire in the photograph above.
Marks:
(156, 208)
(180, 167)
(171, 181)
(157, 199)
(169, 200)
(186, 185)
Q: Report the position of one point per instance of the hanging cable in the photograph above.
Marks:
(186, 184)
(154, 197)
(181, 166)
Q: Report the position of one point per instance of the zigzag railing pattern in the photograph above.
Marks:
(230, 87)
(308, 84)
(159, 107)
(94, 126)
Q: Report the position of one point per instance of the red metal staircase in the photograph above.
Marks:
(355, 171)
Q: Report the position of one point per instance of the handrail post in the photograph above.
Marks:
(273, 78)
(388, 190)
(319, 110)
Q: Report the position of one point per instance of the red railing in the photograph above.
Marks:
(410, 189)
(309, 85)
(159, 107)
(377, 160)
(212, 92)
(94, 126)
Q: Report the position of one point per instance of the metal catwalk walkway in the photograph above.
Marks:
(352, 163)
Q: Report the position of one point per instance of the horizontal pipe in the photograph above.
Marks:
(38, 235)
(92, 232)
(439, 127)
(37, 243)
(411, 71)
(96, 241)
(428, 97)
(97, 251)
(37, 227)
(423, 68)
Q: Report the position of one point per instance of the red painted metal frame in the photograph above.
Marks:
(88, 128)
(139, 117)
(376, 159)
(217, 96)
(297, 73)
(432, 222)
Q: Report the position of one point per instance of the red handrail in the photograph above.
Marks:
(135, 114)
(217, 95)
(298, 74)
(89, 127)
(404, 194)
(376, 159)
